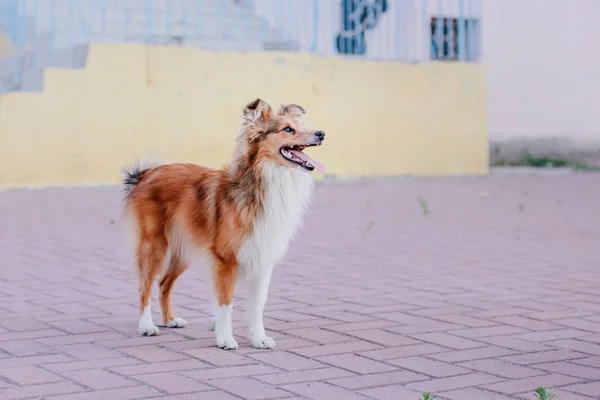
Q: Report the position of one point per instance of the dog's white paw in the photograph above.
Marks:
(263, 342)
(177, 323)
(227, 343)
(148, 329)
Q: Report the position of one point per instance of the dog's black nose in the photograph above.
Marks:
(320, 134)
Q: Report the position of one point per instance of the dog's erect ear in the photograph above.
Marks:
(257, 110)
(293, 110)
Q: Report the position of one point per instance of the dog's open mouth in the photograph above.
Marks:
(294, 154)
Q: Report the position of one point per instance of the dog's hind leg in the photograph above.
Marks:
(151, 252)
(176, 267)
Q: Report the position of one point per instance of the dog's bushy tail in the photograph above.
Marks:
(134, 173)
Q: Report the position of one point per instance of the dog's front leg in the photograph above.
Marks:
(225, 275)
(257, 299)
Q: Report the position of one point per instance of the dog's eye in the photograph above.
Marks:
(288, 129)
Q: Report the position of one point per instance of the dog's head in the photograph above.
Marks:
(279, 137)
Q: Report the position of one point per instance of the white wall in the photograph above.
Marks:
(544, 68)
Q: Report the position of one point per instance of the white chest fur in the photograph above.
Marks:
(287, 194)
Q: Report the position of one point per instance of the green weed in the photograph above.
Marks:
(544, 394)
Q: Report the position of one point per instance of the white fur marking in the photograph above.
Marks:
(259, 290)
(288, 191)
(177, 323)
(146, 326)
(224, 328)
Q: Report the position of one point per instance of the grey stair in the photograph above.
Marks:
(30, 67)
(73, 58)
(219, 25)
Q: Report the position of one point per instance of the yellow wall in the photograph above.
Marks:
(182, 105)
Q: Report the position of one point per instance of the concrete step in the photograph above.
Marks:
(26, 73)
(228, 31)
(164, 12)
(218, 25)
(192, 41)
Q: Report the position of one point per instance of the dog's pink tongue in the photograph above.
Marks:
(309, 160)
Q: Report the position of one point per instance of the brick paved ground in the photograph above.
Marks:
(494, 292)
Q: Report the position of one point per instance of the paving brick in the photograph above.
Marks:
(6, 385)
(453, 382)
(405, 319)
(152, 354)
(320, 374)
(320, 335)
(356, 363)
(230, 372)
(87, 351)
(249, 389)
(577, 345)
(465, 320)
(29, 375)
(37, 391)
(571, 369)
(391, 392)
(359, 326)
(127, 393)
(424, 328)
(524, 385)
(35, 334)
(589, 361)
(123, 341)
(286, 361)
(219, 358)
(567, 395)
(381, 379)
(447, 340)
(80, 338)
(82, 365)
(336, 348)
(500, 312)
(342, 315)
(98, 379)
(545, 336)
(543, 357)
(471, 354)
(26, 348)
(557, 315)
(78, 327)
(501, 368)
(384, 338)
(591, 389)
(389, 353)
(212, 395)
(526, 323)
(322, 390)
(34, 360)
(172, 382)
(488, 331)
(171, 366)
(19, 324)
(473, 393)
(429, 367)
(515, 344)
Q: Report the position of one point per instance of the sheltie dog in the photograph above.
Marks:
(242, 216)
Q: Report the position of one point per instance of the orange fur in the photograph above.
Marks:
(176, 205)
